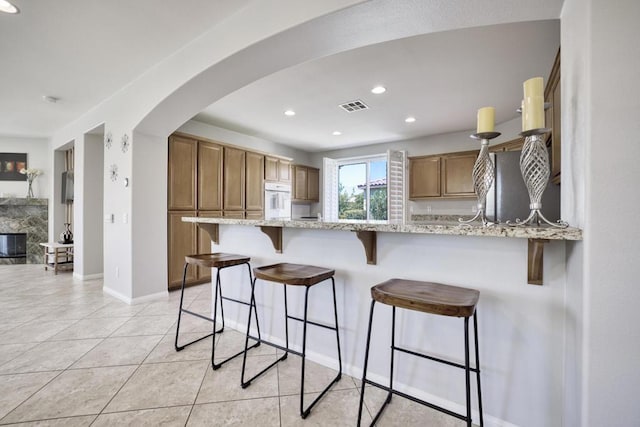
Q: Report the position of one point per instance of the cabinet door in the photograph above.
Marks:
(284, 170)
(234, 175)
(424, 177)
(271, 168)
(254, 215)
(204, 245)
(182, 173)
(209, 176)
(313, 184)
(300, 183)
(457, 175)
(182, 241)
(254, 198)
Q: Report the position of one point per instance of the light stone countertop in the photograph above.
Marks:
(441, 228)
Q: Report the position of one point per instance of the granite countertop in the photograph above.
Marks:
(440, 227)
(22, 201)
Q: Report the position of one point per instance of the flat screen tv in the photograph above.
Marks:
(67, 186)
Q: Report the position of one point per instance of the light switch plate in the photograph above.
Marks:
(108, 218)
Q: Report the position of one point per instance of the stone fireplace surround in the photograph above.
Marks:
(19, 215)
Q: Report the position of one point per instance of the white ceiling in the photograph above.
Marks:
(441, 79)
(83, 51)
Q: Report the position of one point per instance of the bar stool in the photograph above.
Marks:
(294, 275)
(434, 298)
(218, 261)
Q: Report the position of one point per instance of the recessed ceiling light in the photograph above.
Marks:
(7, 7)
(378, 90)
(337, 133)
(410, 119)
(49, 98)
(289, 113)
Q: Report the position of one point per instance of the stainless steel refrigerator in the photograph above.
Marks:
(508, 198)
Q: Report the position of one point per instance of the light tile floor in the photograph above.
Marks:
(71, 355)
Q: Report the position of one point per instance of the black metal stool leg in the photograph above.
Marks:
(184, 279)
(303, 412)
(221, 300)
(335, 313)
(366, 362)
(467, 370)
(215, 318)
(246, 339)
(286, 321)
(393, 350)
(475, 332)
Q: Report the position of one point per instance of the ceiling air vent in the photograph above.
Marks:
(352, 106)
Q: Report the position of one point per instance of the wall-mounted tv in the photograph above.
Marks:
(67, 187)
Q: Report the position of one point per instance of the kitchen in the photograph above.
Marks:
(558, 354)
(274, 239)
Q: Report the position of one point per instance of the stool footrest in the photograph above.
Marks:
(435, 359)
(203, 317)
(309, 322)
(412, 398)
(235, 300)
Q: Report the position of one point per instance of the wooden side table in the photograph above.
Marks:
(58, 255)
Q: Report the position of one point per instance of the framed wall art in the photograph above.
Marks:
(10, 166)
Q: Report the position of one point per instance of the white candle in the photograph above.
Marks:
(486, 119)
(533, 112)
(522, 113)
(533, 87)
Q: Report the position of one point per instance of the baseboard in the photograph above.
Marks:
(134, 301)
(356, 372)
(88, 276)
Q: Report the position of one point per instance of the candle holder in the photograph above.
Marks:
(483, 176)
(534, 166)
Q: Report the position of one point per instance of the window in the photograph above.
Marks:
(365, 188)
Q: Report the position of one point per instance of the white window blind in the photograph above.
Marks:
(330, 199)
(395, 186)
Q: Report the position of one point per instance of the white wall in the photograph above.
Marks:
(602, 69)
(38, 157)
(87, 209)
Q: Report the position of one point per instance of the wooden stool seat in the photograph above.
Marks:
(293, 274)
(435, 298)
(216, 260)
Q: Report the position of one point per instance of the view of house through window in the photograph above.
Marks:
(362, 189)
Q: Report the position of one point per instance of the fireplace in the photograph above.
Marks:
(13, 245)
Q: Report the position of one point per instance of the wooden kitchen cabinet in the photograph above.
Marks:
(457, 174)
(234, 179)
(182, 241)
(181, 182)
(442, 176)
(552, 119)
(210, 158)
(313, 184)
(277, 170)
(424, 177)
(254, 173)
(306, 184)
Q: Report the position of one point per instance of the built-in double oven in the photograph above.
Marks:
(277, 201)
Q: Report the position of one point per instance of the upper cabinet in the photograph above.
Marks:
(255, 170)
(209, 176)
(277, 170)
(442, 176)
(234, 179)
(457, 175)
(183, 154)
(552, 118)
(306, 184)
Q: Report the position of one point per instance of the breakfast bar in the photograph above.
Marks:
(520, 327)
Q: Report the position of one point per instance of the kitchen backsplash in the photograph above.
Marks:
(442, 207)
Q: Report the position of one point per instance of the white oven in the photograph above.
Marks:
(277, 201)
